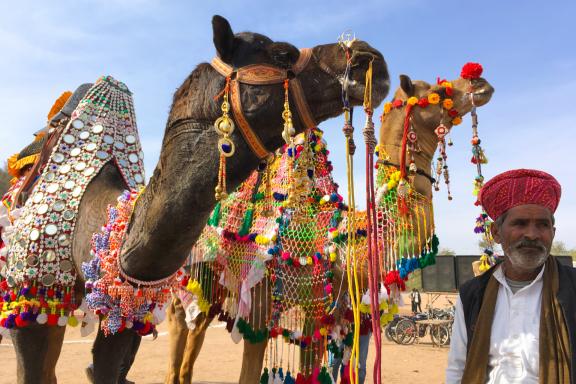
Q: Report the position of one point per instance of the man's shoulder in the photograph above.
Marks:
(473, 285)
(566, 270)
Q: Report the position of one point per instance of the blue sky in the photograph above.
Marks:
(152, 45)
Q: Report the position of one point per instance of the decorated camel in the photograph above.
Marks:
(406, 238)
(170, 214)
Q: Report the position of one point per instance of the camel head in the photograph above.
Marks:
(322, 78)
(464, 94)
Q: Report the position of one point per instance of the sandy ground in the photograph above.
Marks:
(220, 362)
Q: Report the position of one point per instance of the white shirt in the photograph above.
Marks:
(514, 356)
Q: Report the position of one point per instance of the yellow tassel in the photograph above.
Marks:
(15, 165)
(59, 104)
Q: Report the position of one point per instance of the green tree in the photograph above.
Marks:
(483, 244)
(560, 249)
(4, 181)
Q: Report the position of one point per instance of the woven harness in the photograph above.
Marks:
(265, 74)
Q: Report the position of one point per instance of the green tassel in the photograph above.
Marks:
(264, 377)
(324, 376)
(215, 217)
(247, 222)
(349, 339)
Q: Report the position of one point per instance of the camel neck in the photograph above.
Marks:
(171, 213)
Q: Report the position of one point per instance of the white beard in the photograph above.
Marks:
(526, 260)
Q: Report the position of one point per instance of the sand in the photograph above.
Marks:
(220, 359)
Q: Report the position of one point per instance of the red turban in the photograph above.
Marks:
(518, 187)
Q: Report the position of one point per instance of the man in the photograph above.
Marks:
(516, 322)
(416, 300)
(365, 335)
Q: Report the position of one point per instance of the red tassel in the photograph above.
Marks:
(146, 329)
(402, 206)
(300, 379)
(20, 322)
(52, 319)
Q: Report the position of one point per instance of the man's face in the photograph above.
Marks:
(526, 236)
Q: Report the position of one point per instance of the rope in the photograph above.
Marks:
(372, 241)
(404, 140)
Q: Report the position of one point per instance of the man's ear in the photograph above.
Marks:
(223, 38)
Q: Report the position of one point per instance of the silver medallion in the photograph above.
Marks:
(51, 229)
(34, 234)
(63, 240)
(58, 157)
(91, 147)
(52, 188)
(66, 266)
(68, 215)
(69, 184)
(69, 139)
(78, 124)
(48, 280)
(64, 169)
(49, 255)
(80, 166)
(59, 206)
(42, 209)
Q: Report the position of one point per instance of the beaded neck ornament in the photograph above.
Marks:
(121, 301)
(281, 222)
(40, 274)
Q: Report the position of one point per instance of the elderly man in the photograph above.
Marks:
(516, 323)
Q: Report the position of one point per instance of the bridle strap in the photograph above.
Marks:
(264, 74)
(248, 133)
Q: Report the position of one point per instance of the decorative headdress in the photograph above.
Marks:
(26, 156)
(518, 187)
(30, 153)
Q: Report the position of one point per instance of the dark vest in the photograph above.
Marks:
(472, 293)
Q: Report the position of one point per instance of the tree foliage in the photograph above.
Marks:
(446, 252)
(4, 181)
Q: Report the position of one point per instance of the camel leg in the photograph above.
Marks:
(109, 353)
(252, 361)
(37, 350)
(178, 333)
(194, 343)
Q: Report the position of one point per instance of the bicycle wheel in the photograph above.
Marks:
(389, 331)
(440, 335)
(405, 332)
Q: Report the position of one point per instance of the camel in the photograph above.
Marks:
(171, 213)
(186, 343)
(38, 346)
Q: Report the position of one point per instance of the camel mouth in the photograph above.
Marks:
(482, 93)
(380, 89)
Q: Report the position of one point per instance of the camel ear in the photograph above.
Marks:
(223, 38)
(406, 85)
